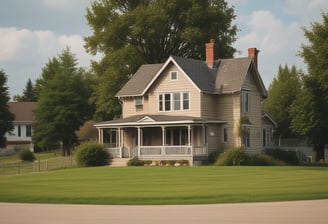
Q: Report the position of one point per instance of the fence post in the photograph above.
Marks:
(46, 165)
(18, 167)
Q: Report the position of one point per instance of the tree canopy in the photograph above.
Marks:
(6, 117)
(63, 104)
(129, 33)
(310, 109)
(282, 93)
(29, 93)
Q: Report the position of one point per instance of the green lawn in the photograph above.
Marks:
(167, 185)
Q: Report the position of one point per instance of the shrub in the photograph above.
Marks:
(289, 157)
(234, 156)
(263, 160)
(213, 157)
(26, 155)
(92, 154)
(136, 162)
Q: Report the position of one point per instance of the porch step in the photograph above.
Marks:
(119, 162)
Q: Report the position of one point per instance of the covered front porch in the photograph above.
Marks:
(156, 137)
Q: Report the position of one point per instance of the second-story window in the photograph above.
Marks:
(28, 131)
(138, 101)
(245, 104)
(174, 75)
(173, 101)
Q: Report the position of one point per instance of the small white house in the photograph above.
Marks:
(22, 134)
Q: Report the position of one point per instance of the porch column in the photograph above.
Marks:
(204, 137)
(139, 141)
(189, 140)
(101, 136)
(119, 141)
(163, 140)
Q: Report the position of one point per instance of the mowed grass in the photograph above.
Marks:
(166, 185)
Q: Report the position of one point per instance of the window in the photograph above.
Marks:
(176, 136)
(28, 130)
(245, 101)
(138, 100)
(174, 75)
(19, 130)
(246, 140)
(186, 101)
(173, 101)
(225, 134)
(266, 137)
(176, 101)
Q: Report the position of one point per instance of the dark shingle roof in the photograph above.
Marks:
(140, 80)
(154, 119)
(226, 76)
(23, 111)
(231, 74)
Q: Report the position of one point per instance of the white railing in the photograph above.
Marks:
(161, 151)
(115, 152)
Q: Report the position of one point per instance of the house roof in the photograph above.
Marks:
(23, 111)
(155, 119)
(226, 76)
(140, 80)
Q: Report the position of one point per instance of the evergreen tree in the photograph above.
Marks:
(282, 93)
(63, 105)
(6, 117)
(29, 93)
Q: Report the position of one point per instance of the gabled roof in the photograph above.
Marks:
(23, 111)
(140, 80)
(226, 76)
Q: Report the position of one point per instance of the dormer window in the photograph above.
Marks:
(138, 101)
(174, 75)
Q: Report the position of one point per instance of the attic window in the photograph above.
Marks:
(138, 101)
(174, 75)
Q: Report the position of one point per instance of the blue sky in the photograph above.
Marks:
(33, 31)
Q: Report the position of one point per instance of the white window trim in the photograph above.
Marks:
(137, 98)
(172, 101)
(177, 76)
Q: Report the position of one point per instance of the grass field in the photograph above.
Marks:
(167, 185)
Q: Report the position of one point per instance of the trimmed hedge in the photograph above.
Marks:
(92, 154)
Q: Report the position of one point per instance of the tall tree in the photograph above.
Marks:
(129, 33)
(63, 105)
(6, 117)
(310, 109)
(282, 93)
(29, 93)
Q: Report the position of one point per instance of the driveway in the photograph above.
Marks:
(314, 212)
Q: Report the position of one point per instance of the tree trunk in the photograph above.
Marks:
(66, 147)
(319, 152)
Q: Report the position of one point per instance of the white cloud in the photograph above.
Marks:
(278, 42)
(307, 11)
(23, 53)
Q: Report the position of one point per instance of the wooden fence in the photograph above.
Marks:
(21, 167)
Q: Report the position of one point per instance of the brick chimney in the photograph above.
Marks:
(253, 53)
(210, 57)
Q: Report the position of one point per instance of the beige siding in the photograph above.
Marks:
(209, 106)
(165, 85)
(129, 108)
(255, 114)
(228, 107)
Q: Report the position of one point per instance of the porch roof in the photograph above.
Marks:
(155, 120)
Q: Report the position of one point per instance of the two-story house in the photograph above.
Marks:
(21, 136)
(186, 109)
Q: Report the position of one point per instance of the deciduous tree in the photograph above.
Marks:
(310, 109)
(129, 33)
